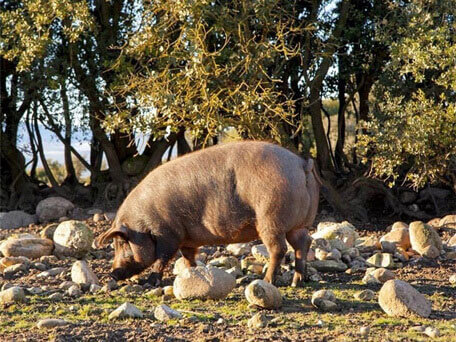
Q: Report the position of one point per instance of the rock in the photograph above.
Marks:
(256, 269)
(263, 294)
(258, 321)
(398, 236)
(28, 247)
(126, 310)
(98, 217)
(203, 282)
(334, 255)
(399, 299)
(52, 272)
(53, 208)
(425, 240)
(224, 262)
(368, 244)
(110, 216)
(381, 260)
(377, 276)
(452, 279)
(155, 292)
(164, 313)
(364, 331)
(432, 332)
(49, 323)
(365, 295)
(94, 211)
(448, 221)
(260, 253)
(94, 288)
(39, 266)
(49, 259)
(74, 291)
(328, 265)
(324, 304)
(323, 294)
(16, 219)
(10, 261)
(14, 294)
(56, 297)
(330, 230)
(321, 254)
(168, 291)
(48, 231)
(235, 271)
(66, 285)
(399, 225)
(10, 271)
(239, 249)
(452, 241)
(72, 238)
(82, 274)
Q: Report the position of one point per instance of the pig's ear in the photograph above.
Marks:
(107, 236)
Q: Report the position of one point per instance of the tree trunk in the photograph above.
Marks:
(69, 167)
(341, 87)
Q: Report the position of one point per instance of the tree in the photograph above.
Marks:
(411, 134)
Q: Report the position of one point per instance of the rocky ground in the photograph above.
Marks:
(357, 268)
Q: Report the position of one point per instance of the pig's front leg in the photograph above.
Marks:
(165, 249)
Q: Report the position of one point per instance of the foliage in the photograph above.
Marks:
(412, 133)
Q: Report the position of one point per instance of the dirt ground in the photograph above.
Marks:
(226, 320)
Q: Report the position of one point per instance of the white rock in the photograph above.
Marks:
(13, 294)
(399, 299)
(225, 262)
(180, 266)
(425, 240)
(49, 323)
(53, 208)
(74, 291)
(381, 260)
(126, 310)
(344, 231)
(203, 282)
(453, 279)
(28, 247)
(260, 252)
(81, 273)
(164, 313)
(258, 321)
(324, 300)
(432, 332)
(72, 238)
(263, 294)
(15, 219)
(239, 249)
(365, 295)
(52, 272)
(364, 331)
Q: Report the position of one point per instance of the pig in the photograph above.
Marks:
(228, 193)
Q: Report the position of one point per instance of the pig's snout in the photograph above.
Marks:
(121, 274)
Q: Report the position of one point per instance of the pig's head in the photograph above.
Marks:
(134, 250)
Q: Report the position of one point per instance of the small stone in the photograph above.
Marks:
(74, 291)
(324, 300)
(48, 231)
(49, 259)
(10, 261)
(345, 232)
(81, 273)
(72, 238)
(258, 321)
(126, 310)
(364, 331)
(260, 252)
(179, 265)
(321, 254)
(39, 266)
(320, 323)
(256, 268)
(224, 262)
(66, 285)
(432, 332)
(98, 217)
(365, 295)
(263, 294)
(53, 208)
(164, 313)
(10, 271)
(14, 294)
(398, 236)
(381, 260)
(155, 292)
(235, 271)
(50, 323)
(323, 294)
(329, 265)
(425, 240)
(34, 290)
(334, 255)
(378, 275)
(30, 247)
(94, 288)
(453, 279)
(168, 290)
(52, 272)
(57, 296)
(239, 249)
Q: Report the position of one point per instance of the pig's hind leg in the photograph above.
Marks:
(300, 240)
(277, 247)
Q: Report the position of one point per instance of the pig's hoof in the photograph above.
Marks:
(154, 279)
(298, 280)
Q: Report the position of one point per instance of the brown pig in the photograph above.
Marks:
(235, 192)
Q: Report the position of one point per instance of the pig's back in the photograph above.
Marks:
(221, 193)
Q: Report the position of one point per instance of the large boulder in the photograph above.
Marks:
(399, 299)
(53, 208)
(72, 238)
(27, 246)
(263, 294)
(82, 274)
(203, 282)
(344, 231)
(15, 219)
(425, 240)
